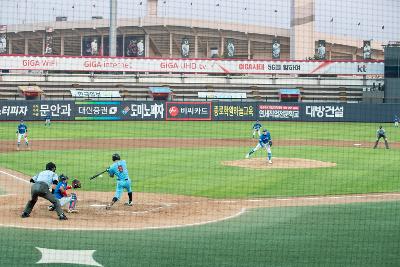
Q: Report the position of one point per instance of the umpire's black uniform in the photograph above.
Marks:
(40, 188)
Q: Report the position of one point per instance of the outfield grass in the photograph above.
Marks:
(141, 129)
(363, 234)
(199, 171)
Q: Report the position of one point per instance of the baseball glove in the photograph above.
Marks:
(76, 183)
(270, 143)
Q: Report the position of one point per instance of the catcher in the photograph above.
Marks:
(60, 192)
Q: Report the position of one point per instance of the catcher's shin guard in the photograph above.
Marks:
(72, 203)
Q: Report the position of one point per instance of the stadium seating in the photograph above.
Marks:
(134, 87)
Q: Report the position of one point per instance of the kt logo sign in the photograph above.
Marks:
(362, 68)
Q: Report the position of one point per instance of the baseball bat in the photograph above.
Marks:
(96, 175)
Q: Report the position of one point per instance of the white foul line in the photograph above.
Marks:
(16, 177)
(243, 210)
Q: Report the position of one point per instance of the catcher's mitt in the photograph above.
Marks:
(76, 183)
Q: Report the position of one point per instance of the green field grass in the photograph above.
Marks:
(140, 129)
(331, 235)
(199, 171)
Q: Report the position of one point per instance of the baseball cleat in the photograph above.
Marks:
(270, 161)
(247, 156)
(51, 208)
(129, 203)
(108, 207)
(72, 211)
(24, 215)
(63, 217)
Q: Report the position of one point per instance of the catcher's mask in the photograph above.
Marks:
(63, 177)
(116, 157)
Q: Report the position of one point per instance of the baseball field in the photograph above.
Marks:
(328, 198)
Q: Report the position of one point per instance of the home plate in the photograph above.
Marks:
(98, 205)
(357, 144)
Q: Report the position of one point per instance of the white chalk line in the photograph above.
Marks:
(15, 177)
(242, 211)
(7, 195)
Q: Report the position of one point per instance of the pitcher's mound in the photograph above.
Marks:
(278, 163)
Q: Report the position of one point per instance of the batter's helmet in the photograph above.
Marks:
(116, 157)
(51, 166)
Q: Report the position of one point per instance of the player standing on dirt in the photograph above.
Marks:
(48, 118)
(40, 188)
(120, 170)
(265, 141)
(22, 132)
(380, 133)
(257, 128)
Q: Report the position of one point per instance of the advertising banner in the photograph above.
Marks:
(134, 46)
(94, 94)
(91, 46)
(233, 111)
(321, 50)
(278, 112)
(367, 50)
(185, 47)
(15, 110)
(221, 95)
(57, 63)
(3, 39)
(119, 110)
(276, 49)
(144, 110)
(184, 111)
(229, 48)
(48, 41)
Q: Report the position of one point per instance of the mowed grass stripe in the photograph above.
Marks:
(360, 234)
(199, 172)
(217, 129)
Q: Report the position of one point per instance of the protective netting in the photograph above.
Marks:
(199, 133)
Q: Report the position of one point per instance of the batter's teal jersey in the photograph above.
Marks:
(120, 170)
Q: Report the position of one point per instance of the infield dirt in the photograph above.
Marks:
(150, 210)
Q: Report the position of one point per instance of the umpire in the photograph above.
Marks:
(40, 188)
(380, 133)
